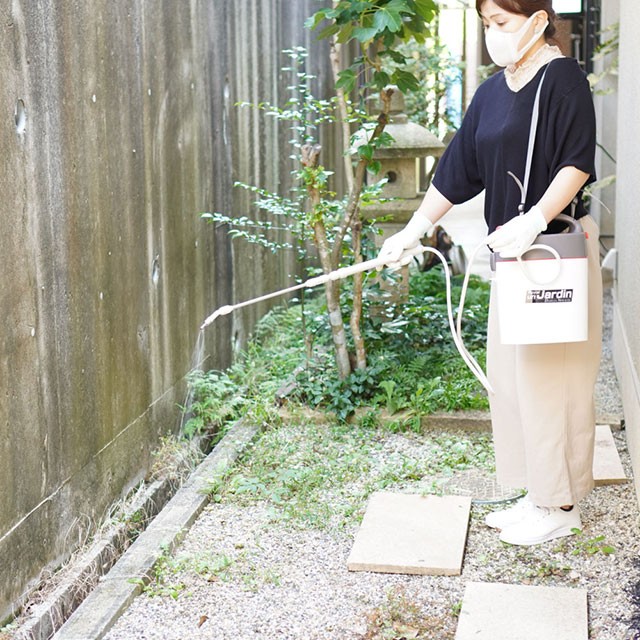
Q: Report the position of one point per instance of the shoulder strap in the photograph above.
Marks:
(532, 136)
(524, 185)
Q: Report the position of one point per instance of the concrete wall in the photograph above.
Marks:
(117, 127)
(627, 291)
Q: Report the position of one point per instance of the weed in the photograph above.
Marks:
(172, 574)
(255, 577)
(216, 400)
(546, 569)
(322, 475)
(410, 422)
(369, 420)
(590, 546)
(163, 582)
(456, 608)
(400, 616)
(168, 574)
(394, 400)
(175, 459)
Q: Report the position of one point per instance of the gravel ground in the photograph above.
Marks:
(607, 394)
(240, 573)
(283, 583)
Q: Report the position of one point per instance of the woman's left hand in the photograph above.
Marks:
(513, 238)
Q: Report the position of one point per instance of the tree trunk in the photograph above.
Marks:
(332, 294)
(352, 220)
(310, 156)
(356, 311)
(353, 205)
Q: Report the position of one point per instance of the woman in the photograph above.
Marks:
(542, 411)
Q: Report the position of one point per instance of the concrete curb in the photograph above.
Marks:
(45, 618)
(458, 420)
(481, 420)
(115, 592)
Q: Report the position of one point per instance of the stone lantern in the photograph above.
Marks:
(400, 164)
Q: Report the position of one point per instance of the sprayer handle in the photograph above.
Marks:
(572, 223)
(405, 257)
(554, 254)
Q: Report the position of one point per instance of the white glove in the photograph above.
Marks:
(407, 238)
(513, 238)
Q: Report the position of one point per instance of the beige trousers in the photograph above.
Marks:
(542, 411)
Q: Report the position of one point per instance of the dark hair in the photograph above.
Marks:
(527, 8)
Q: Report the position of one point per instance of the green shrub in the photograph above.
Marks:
(413, 364)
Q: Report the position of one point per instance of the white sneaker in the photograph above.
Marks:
(507, 517)
(542, 524)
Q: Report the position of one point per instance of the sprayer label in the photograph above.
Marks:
(549, 295)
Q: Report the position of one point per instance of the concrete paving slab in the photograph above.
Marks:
(516, 612)
(607, 466)
(413, 534)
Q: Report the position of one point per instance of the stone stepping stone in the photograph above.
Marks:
(516, 612)
(607, 467)
(412, 534)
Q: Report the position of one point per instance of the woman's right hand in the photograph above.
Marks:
(407, 238)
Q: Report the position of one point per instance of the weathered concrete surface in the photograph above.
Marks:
(413, 534)
(607, 466)
(494, 611)
(118, 128)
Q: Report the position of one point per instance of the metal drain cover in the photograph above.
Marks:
(481, 486)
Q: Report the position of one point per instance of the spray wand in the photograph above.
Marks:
(338, 274)
(376, 263)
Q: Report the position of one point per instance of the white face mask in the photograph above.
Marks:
(503, 46)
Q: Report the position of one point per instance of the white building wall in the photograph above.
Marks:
(627, 291)
(606, 103)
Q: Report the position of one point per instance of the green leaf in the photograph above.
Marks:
(349, 9)
(389, 38)
(313, 21)
(420, 38)
(413, 27)
(374, 167)
(388, 17)
(346, 80)
(396, 56)
(346, 33)
(329, 31)
(365, 151)
(381, 79)
(426, 8)
(405, 81)
(365, 34)
(385, 139)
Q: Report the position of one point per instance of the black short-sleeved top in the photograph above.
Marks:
(494, 135)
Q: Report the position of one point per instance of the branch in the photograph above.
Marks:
(310, 154)
(334, 55)
(361, 170)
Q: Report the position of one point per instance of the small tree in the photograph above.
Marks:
(337, 225)
(376, 26)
